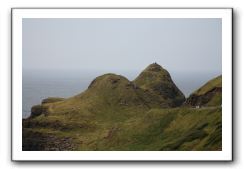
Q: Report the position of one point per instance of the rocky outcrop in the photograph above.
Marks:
(38, 110)
(44, 107)
(206, 99)
(37, 141)
(209, 94)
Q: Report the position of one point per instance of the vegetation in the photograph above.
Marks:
(210, 94)
(157, 80)
(52, 100)
(116, 114)
(210, 85)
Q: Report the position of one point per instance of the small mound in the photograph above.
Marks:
(52, 100)
(108, 79)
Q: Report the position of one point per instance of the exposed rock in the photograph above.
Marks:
(36, 141)
(210, 94)
(37, 110)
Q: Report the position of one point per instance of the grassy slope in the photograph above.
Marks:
(114, 114)
(156, 129)
(210, 94)
(166, 129)
(216, 82)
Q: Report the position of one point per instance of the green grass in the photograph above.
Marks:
(210, 94)
(116, 114)
(158, 81)
(216, 82)
(156, 129)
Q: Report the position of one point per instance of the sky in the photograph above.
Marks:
(117, 45)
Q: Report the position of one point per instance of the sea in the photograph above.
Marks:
(38, 86)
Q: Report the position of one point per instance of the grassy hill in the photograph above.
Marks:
(210, 94)
(158, 80)
(116, 114)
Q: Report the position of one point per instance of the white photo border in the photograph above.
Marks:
(16, 51)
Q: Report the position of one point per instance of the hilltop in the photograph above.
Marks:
(158, 80)
(117, 114)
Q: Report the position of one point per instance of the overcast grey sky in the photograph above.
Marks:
(180, 45)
